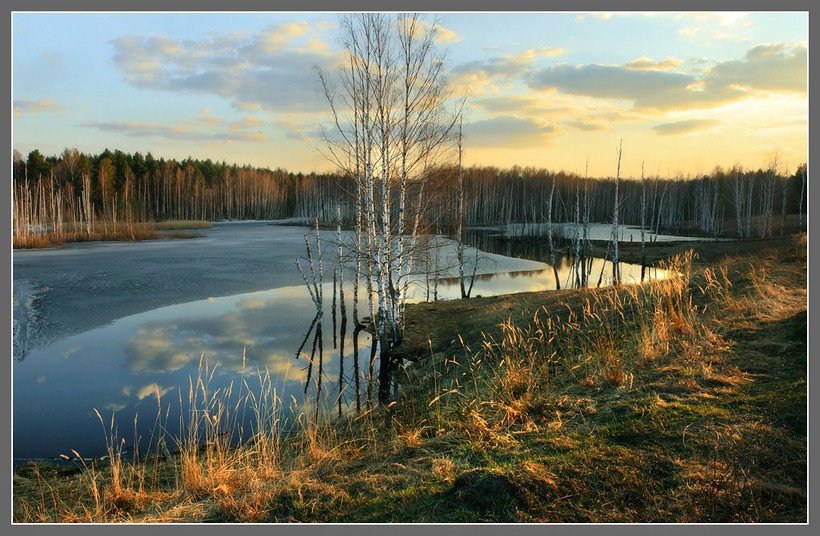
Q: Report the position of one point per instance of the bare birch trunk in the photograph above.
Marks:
(549, 235)
(802, 194)
(643, 223)
(460, 219)
(616, 272)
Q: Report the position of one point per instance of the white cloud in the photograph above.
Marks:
(599, 16)
(506, 131)
(153, 389)
(270, 68)
(648, 64)
(685, 127)
(137, 129)
(22, 106)
(446, 35)
(765, 68)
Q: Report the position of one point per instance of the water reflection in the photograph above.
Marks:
(143, 365)
(125, 366)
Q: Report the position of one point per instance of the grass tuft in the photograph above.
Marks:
(682, 400)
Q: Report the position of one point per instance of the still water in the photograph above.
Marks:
(141, 366)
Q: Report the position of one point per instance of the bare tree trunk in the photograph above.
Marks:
(750, 183)
(549, 234)
(395, 84)
(802, 194)
(643, 223)
(616, 272)
(785, 183)
(586, 248)
(577, 233)
(460, 218)
(739, 197)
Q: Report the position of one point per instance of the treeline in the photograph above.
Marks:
(751, 201)
(50, 192)
(119, 184)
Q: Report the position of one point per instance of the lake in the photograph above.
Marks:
(122, 328)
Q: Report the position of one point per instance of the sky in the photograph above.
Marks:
(683, 91)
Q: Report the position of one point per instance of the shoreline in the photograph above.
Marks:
(593, 446)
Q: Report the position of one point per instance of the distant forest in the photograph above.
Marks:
(76, 187)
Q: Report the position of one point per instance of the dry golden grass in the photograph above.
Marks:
(106, 231)
(178, 225)
(677, 400)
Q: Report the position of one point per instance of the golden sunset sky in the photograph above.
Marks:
(684, 91)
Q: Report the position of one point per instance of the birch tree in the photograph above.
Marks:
(616, 272)
(643, 223)
(576, 236)
(802, 192)
(549, 234)
(391, 128)
(460, 218)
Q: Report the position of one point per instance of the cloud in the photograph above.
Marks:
(511, 104)
(137, 129)
(645, 63)
(715, 25)
(484, 76)
(263, 324)
(724, 18)
(276, 38)
(580, 113)
(22, 106)
(248, 106)
(608, 81)
(267, 69)
(204, 117)
(506, 131)
(685, 127)
(765, 68)
(302, 127)
(599, 16)
(153, 389)
(768, 67)
(325, 25)
(420, 26)
(68, 352)
(446, 35)
(246, 122)
(476, 83)
(585, 126)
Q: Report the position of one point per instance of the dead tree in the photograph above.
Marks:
(785, 188)
(576, 236)
(616, 271)
(802, 194)
(643, 223)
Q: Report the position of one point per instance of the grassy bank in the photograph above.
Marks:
(677, 401)
(106, 230)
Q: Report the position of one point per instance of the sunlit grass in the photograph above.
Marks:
(105, 230)
(678, 400)
(178, 225)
